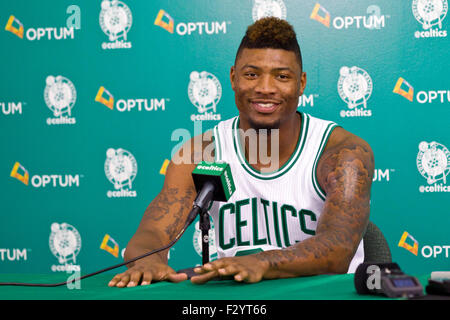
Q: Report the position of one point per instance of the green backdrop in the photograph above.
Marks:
(91, 93)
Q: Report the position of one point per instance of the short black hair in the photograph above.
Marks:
(271, 32)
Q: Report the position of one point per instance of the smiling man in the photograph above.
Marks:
(299, 210)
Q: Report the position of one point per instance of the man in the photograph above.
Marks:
(306, 217)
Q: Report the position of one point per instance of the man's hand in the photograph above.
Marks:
(248, 269)
(143, 274)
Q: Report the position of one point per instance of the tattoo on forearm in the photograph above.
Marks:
(170, 202)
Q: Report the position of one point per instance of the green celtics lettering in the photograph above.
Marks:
(257, 222)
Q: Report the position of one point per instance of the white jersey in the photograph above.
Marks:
(271, 210)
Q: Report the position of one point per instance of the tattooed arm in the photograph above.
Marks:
(164, 218)
(344, 172)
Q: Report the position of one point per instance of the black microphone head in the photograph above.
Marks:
(219, 174)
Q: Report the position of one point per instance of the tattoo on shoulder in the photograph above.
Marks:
(348, 166)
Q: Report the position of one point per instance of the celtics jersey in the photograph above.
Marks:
(271, 210)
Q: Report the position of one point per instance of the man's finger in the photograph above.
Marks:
(241, 276)
(204, 269)
(229, 270)
(210, 266)
(115, 280)
(177, 277)
(200, 270)
(146, 278)
(203, 278)
(124, 279)
(134, 278)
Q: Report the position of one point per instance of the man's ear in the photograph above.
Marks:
(232, 76)
(302, 83)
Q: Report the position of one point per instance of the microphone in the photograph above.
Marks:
(213, 182)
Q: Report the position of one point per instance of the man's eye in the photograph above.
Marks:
(250, 74)
(283, 76)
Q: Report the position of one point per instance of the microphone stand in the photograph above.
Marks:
(205, 225)
(201, 204)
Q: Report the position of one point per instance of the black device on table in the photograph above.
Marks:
(438, 287)
(386, 279)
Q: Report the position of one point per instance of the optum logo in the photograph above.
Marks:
(20, 173)
(13, 254)
(408, 242)
(382, 174)
(55, 180)
(165, 21)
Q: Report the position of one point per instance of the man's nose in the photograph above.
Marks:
(265, 85)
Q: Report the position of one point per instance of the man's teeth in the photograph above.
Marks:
(266, 105)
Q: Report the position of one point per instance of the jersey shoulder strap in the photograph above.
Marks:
(222, 134)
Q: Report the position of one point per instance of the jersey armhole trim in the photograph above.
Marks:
(218, 151)
(320, 192)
